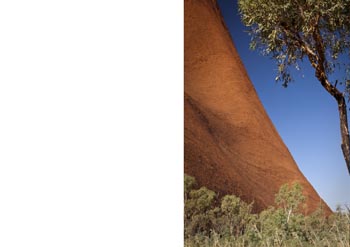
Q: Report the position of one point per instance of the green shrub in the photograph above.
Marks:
(199, 212)
(189, 184)
(230, 221)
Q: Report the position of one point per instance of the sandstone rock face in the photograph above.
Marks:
(231, 145)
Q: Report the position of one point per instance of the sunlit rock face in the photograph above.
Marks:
(231, 145)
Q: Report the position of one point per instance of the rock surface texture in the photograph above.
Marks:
(231, 145)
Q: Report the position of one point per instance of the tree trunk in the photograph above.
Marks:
(345, 146)
(318, 61)
(339, 97)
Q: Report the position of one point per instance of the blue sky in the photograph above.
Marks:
(305, 115)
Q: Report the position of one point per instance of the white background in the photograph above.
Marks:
(91, 123)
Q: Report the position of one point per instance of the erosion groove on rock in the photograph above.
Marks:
(231, 145)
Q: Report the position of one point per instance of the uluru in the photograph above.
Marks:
(231, 145)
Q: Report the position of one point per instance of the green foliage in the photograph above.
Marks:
(200, 200)
(290, 198)
(234, 215)
(198, 213)
(230, 221)
(189, 184)
(290, 30)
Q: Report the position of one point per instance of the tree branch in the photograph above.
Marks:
(339, 97)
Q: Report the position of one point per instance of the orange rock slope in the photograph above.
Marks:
(231, 145)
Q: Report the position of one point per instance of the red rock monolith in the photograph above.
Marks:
(231, 145)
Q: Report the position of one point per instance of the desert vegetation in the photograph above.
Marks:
(229, 221)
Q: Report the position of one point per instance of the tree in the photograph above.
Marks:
(319, 31)
(290, 198)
